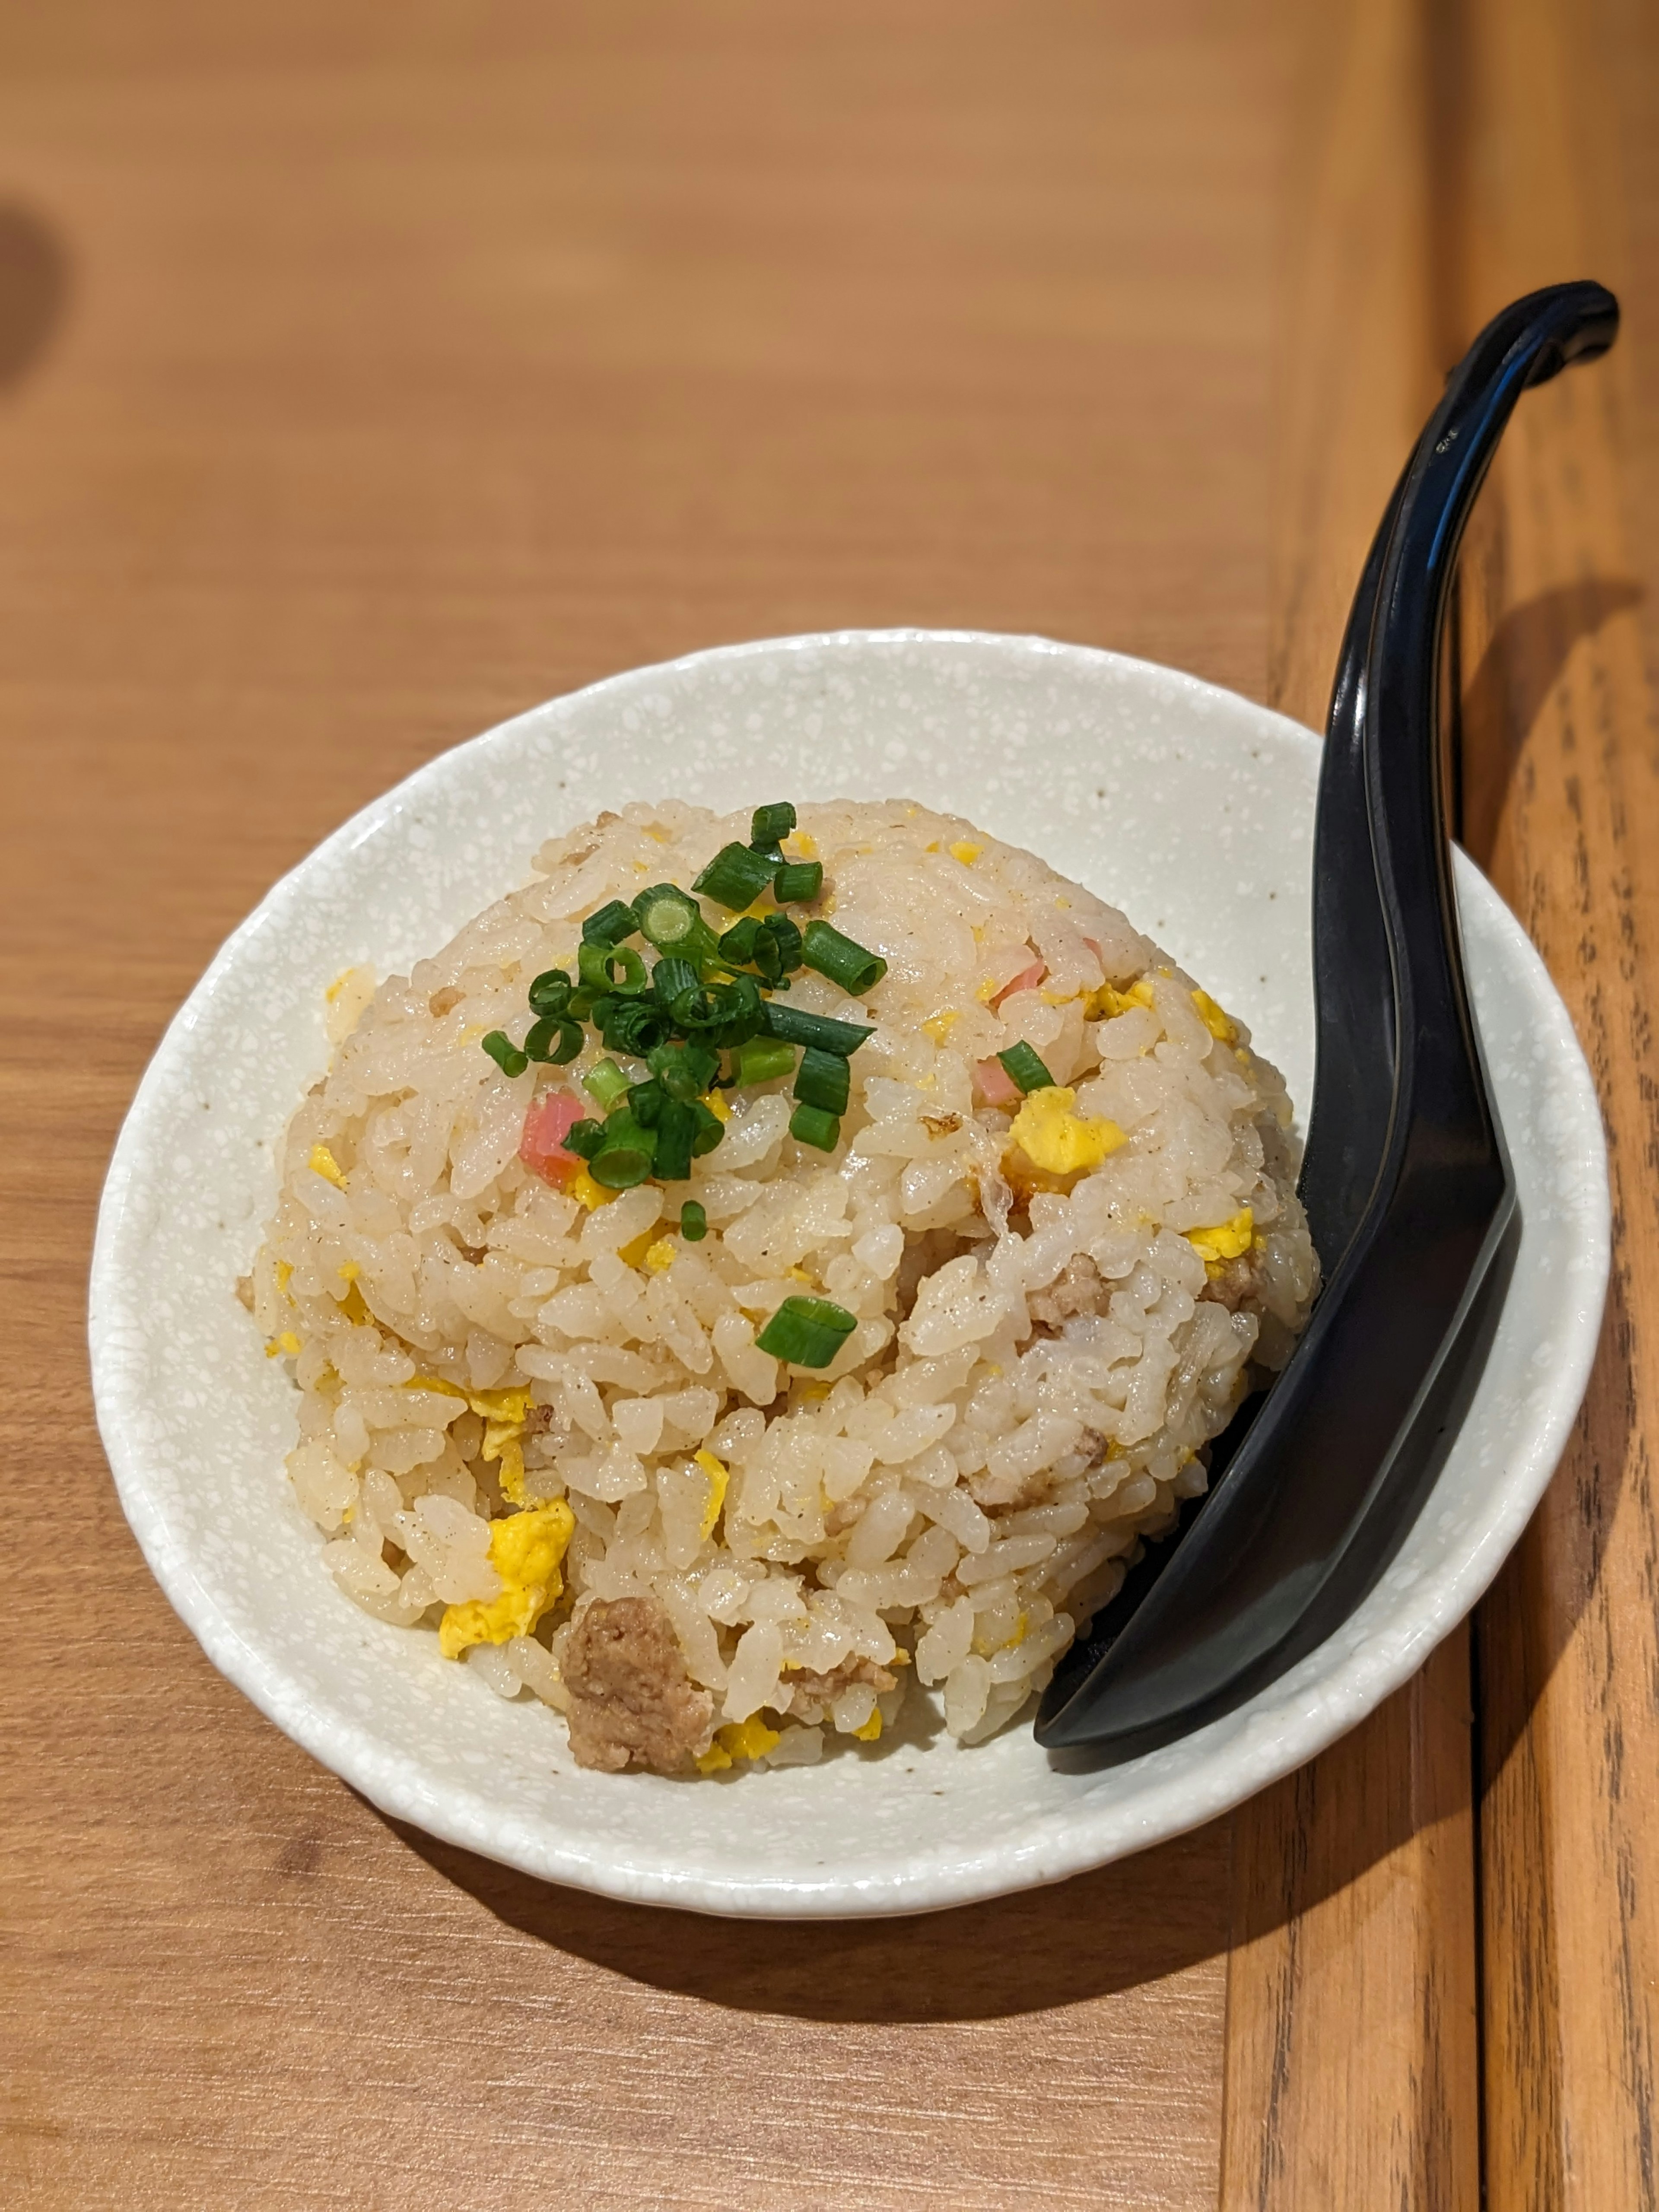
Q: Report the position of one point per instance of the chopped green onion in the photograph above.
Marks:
(762, 1059)
(735, 878)
(812, 1126)
(672, 920)
(505, 1053)
(611, 924)
(677, 1132)
(737, 945)
(671, 976)
(550, 992)
(611, 969)
(1025, 1068)
(783, 932)
(684, 1071)
(555, 1041)
(624, 1158)
(794, 1025)
(604, 1084)
(855, 969)
(631, 1025)
(823, 1081)
(771, 823)
(710, 1129)
(584, 1139)
(806, 1332)
(694, 1222)
(799, 880)
(646, 1102)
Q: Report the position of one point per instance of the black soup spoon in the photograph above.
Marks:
(1406, 1177)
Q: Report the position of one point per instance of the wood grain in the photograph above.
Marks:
(1563, 782)
(407, 365)
(1353, 1881)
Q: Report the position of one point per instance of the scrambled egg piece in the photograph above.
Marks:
(1108, 1001)
(938, 1026)
(323, 1162)
(966, 851)
(632, 1255)
(719, 1476)
(525, 1549)
(1055, 1138)
(287, 1342)
(659, 1256)
(871, 1732)
(504, 1413)
(582, 1188)
(1228, 1240)
(750, 1739)
(715, 1102)
(1215, 1019)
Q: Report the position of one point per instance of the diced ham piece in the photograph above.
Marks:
(995, 1085)
(546, 1125)
(1027, 980)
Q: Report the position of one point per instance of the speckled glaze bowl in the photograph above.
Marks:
(1188, 807)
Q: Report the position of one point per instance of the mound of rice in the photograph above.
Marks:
(533, 1417)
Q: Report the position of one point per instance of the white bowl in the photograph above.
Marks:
(1188, 807)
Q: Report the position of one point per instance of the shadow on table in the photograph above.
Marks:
(34, 289)
(1506, 692)
(1139, 1922)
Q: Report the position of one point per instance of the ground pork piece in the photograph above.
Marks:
(812, 1695)
(1237, 1284)
(632, 1703)
(1078, 1289)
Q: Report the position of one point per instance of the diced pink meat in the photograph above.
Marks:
(996, 1086)
(546, 1125)
(1027, 980)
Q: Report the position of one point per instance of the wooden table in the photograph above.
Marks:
(367, 374)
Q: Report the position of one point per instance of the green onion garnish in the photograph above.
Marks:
(823, 1081)
(855, 969)
(676, 1131)
(684, 1071)
(624, 1158)
(584, 1139)
(631, 1025)
(771, 823)
(812, 1126)
(550, 992)
(604, 1084)
(806, 1332)
(646, 1102)
(694, 1222)
(763, 1059)
(611, 924)
(672, 920)
(799, 880)
(737, 945)
(783, 932)
(610, 969)
(1025, 1068)
(735, 878)
(505, 1053)
(555, 1041)
(671, 976)
(710, 1129)
(794, 1025)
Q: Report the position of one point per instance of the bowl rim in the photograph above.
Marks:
(1236, 1768)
